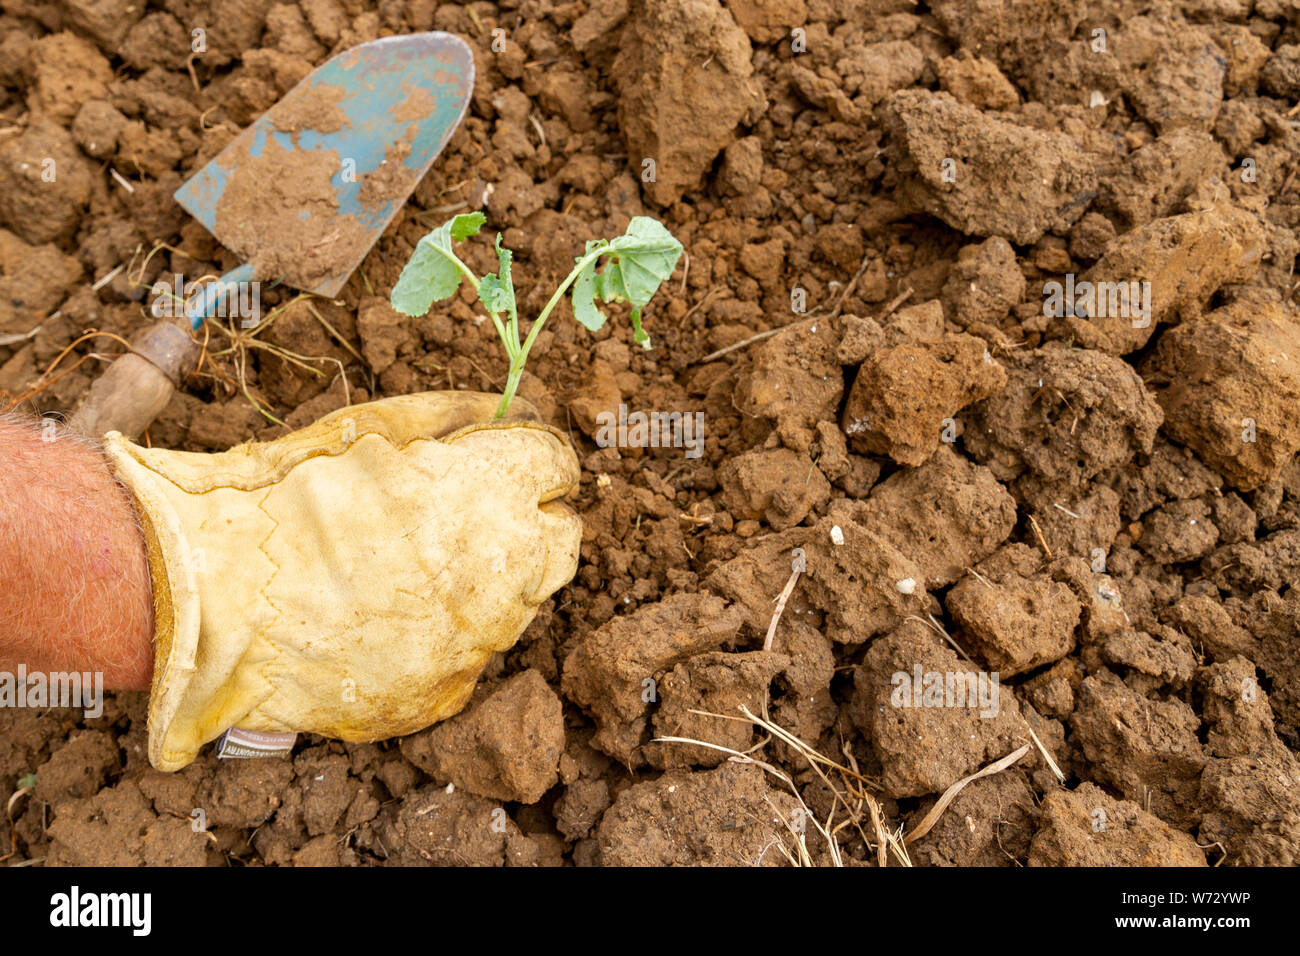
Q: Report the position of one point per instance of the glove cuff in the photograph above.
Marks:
(176, 604)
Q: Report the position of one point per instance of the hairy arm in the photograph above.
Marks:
(74, 581)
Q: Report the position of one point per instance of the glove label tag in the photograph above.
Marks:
(236, 743)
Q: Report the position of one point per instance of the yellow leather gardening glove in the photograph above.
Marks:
(350, 579)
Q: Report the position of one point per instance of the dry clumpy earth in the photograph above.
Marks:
(1104, 512)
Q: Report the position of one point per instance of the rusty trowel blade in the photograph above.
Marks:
(305, 191)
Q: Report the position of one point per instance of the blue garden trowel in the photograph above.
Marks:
(301, 195)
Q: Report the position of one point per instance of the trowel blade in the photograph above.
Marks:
(305, 191)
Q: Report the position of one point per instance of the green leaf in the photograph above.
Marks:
(466, 224)
(638, 262)
(610, 284)
(585, 309)
(26, 780)
(497, 292)
(433, 274)
(494, 294)
(647, 254)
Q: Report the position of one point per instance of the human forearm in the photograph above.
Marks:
(74, 580)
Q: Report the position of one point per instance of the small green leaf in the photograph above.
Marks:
(432, 274)
(26, 781)
(585, 309)
(638, 262)
(494, 294)
(466, 224)
(647, 255)
(610, 284)
(497, 292)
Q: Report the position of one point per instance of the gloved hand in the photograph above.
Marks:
(352, 578)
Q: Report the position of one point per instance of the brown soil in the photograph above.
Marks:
(1106, 513)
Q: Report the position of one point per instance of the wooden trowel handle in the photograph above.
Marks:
(138, 386)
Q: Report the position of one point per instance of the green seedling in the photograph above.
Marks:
(636, 263)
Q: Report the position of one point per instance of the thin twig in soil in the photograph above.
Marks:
(884, 841)
(217, 372)
(695, 518)
(106, 279)
(333, 332)
(17, 337)
(714, 356)
(13, 831)
(194, 77)
(934, 624)
(491, 379)
(121, 180)
(852, 795)
(852, 779)
(852, 284)
(894, 303)
(43, 381)
(737, 757)
(203, 118)
(930, 819)
(780, 608)
(759, 337)
(1041, 540)
(138, 280)
(1056, 771)
(241, 343)
(699, 305)
(1222, 849)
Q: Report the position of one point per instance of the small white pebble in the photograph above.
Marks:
(451, 788)
(906, 586)
(837, 536)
